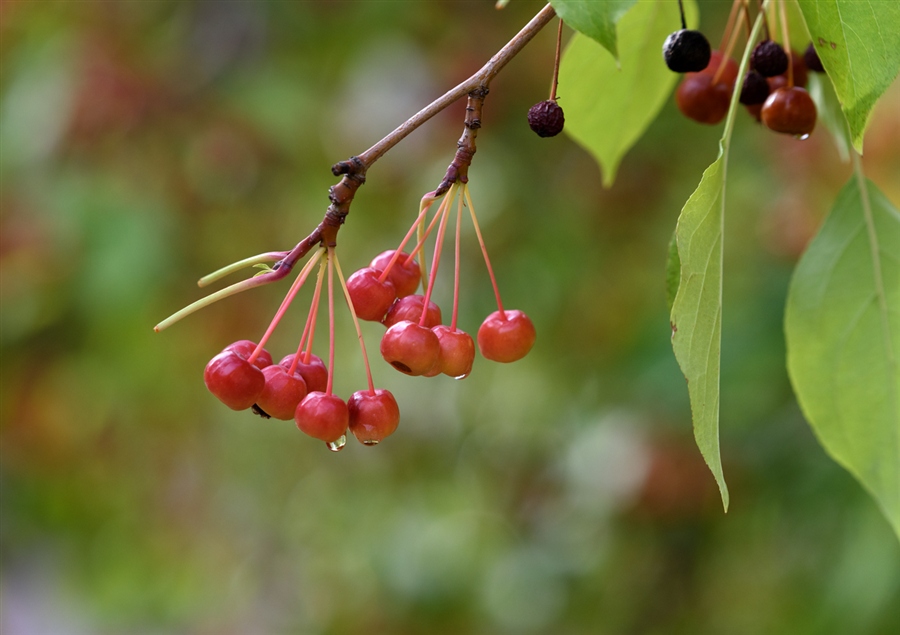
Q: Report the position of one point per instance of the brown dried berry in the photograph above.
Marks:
(546, 118)
(769, 59)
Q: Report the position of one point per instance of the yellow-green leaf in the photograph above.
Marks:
(595, 18)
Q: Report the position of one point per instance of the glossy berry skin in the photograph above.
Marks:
(457, 351)
(373, 416)
(686, 51)
(410, 348)
(546, 118)
(812, 60)
(371, 297)
(281, 393)
(404, 275)
(314, 372)
(322, 416)
(245, 348)
(236, 382)
(729, 72)
(755, 89)
(701, 100)
(410, 308)
(790, 111)
(506, 337)
(769, 59)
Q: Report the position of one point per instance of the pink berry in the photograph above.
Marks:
(457, 351)
(405, 275)
(410, 348)
(371, 297)
(322, 416)
(235, 381)
(506, 337)
(373, 416)
(282, 392)
(314, 372)
(245, 348)
(410, 308)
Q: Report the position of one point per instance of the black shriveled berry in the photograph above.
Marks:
(755, 89)
(811, 57)
(546, 118)
(686, 51)
(769, 59)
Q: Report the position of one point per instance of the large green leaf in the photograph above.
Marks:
(843, 340)
(607, 107)
(858, 42)
(595, 18)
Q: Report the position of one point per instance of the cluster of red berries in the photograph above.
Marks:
(243, 376)
(773, 90)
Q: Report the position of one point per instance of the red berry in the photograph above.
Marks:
(410, 308)
(314, 372)
(410, 348)
(729, 71)
(370, 296)
(506, 337)
(235, 381)
(282, 392)
(701, 100)
(457, 351)
(373, 416)
(245, 348)
(322, 416)
(790, 110)
(801, 77)
(405, 274)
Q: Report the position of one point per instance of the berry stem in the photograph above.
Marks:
(328, 387)
(727, 54)
(787, 44)
(444, 214)
(237, 287)
(288, 299)
(310, 326)
(424, 206)
(270, 256)
(681, 11)
(762, 10)
(456, 266)
(729, 25)
(487, 260)
(748, 21)
(359, 335)
(556, 60)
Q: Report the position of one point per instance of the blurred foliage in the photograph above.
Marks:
(144, 144)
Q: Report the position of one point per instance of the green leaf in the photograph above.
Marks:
(857, 41)
(673, 272)
(843, 340)
(596, 18)
(830, 115)
(608, 108)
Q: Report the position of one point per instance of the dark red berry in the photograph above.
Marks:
(235, 381)
(800, 75)
(790, 110)
(457, 351)
(314, 372)
(755, 89)
(812, 60)
(410, 348)
(410, 308)
(374, 416)
(546, 118)
(701, 100)
(371, 297)
(686, 51)
(405, 274)
(506, 337)
(769, 59)
(322, 416)
(245, 348)
(281, 393)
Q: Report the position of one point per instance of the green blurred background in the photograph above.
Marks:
(146, 143)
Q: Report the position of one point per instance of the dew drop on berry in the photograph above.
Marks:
(338, 445)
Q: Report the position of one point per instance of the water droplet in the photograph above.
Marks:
(802, 137)
(337, 446)
(463, 376)
(370, 442)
